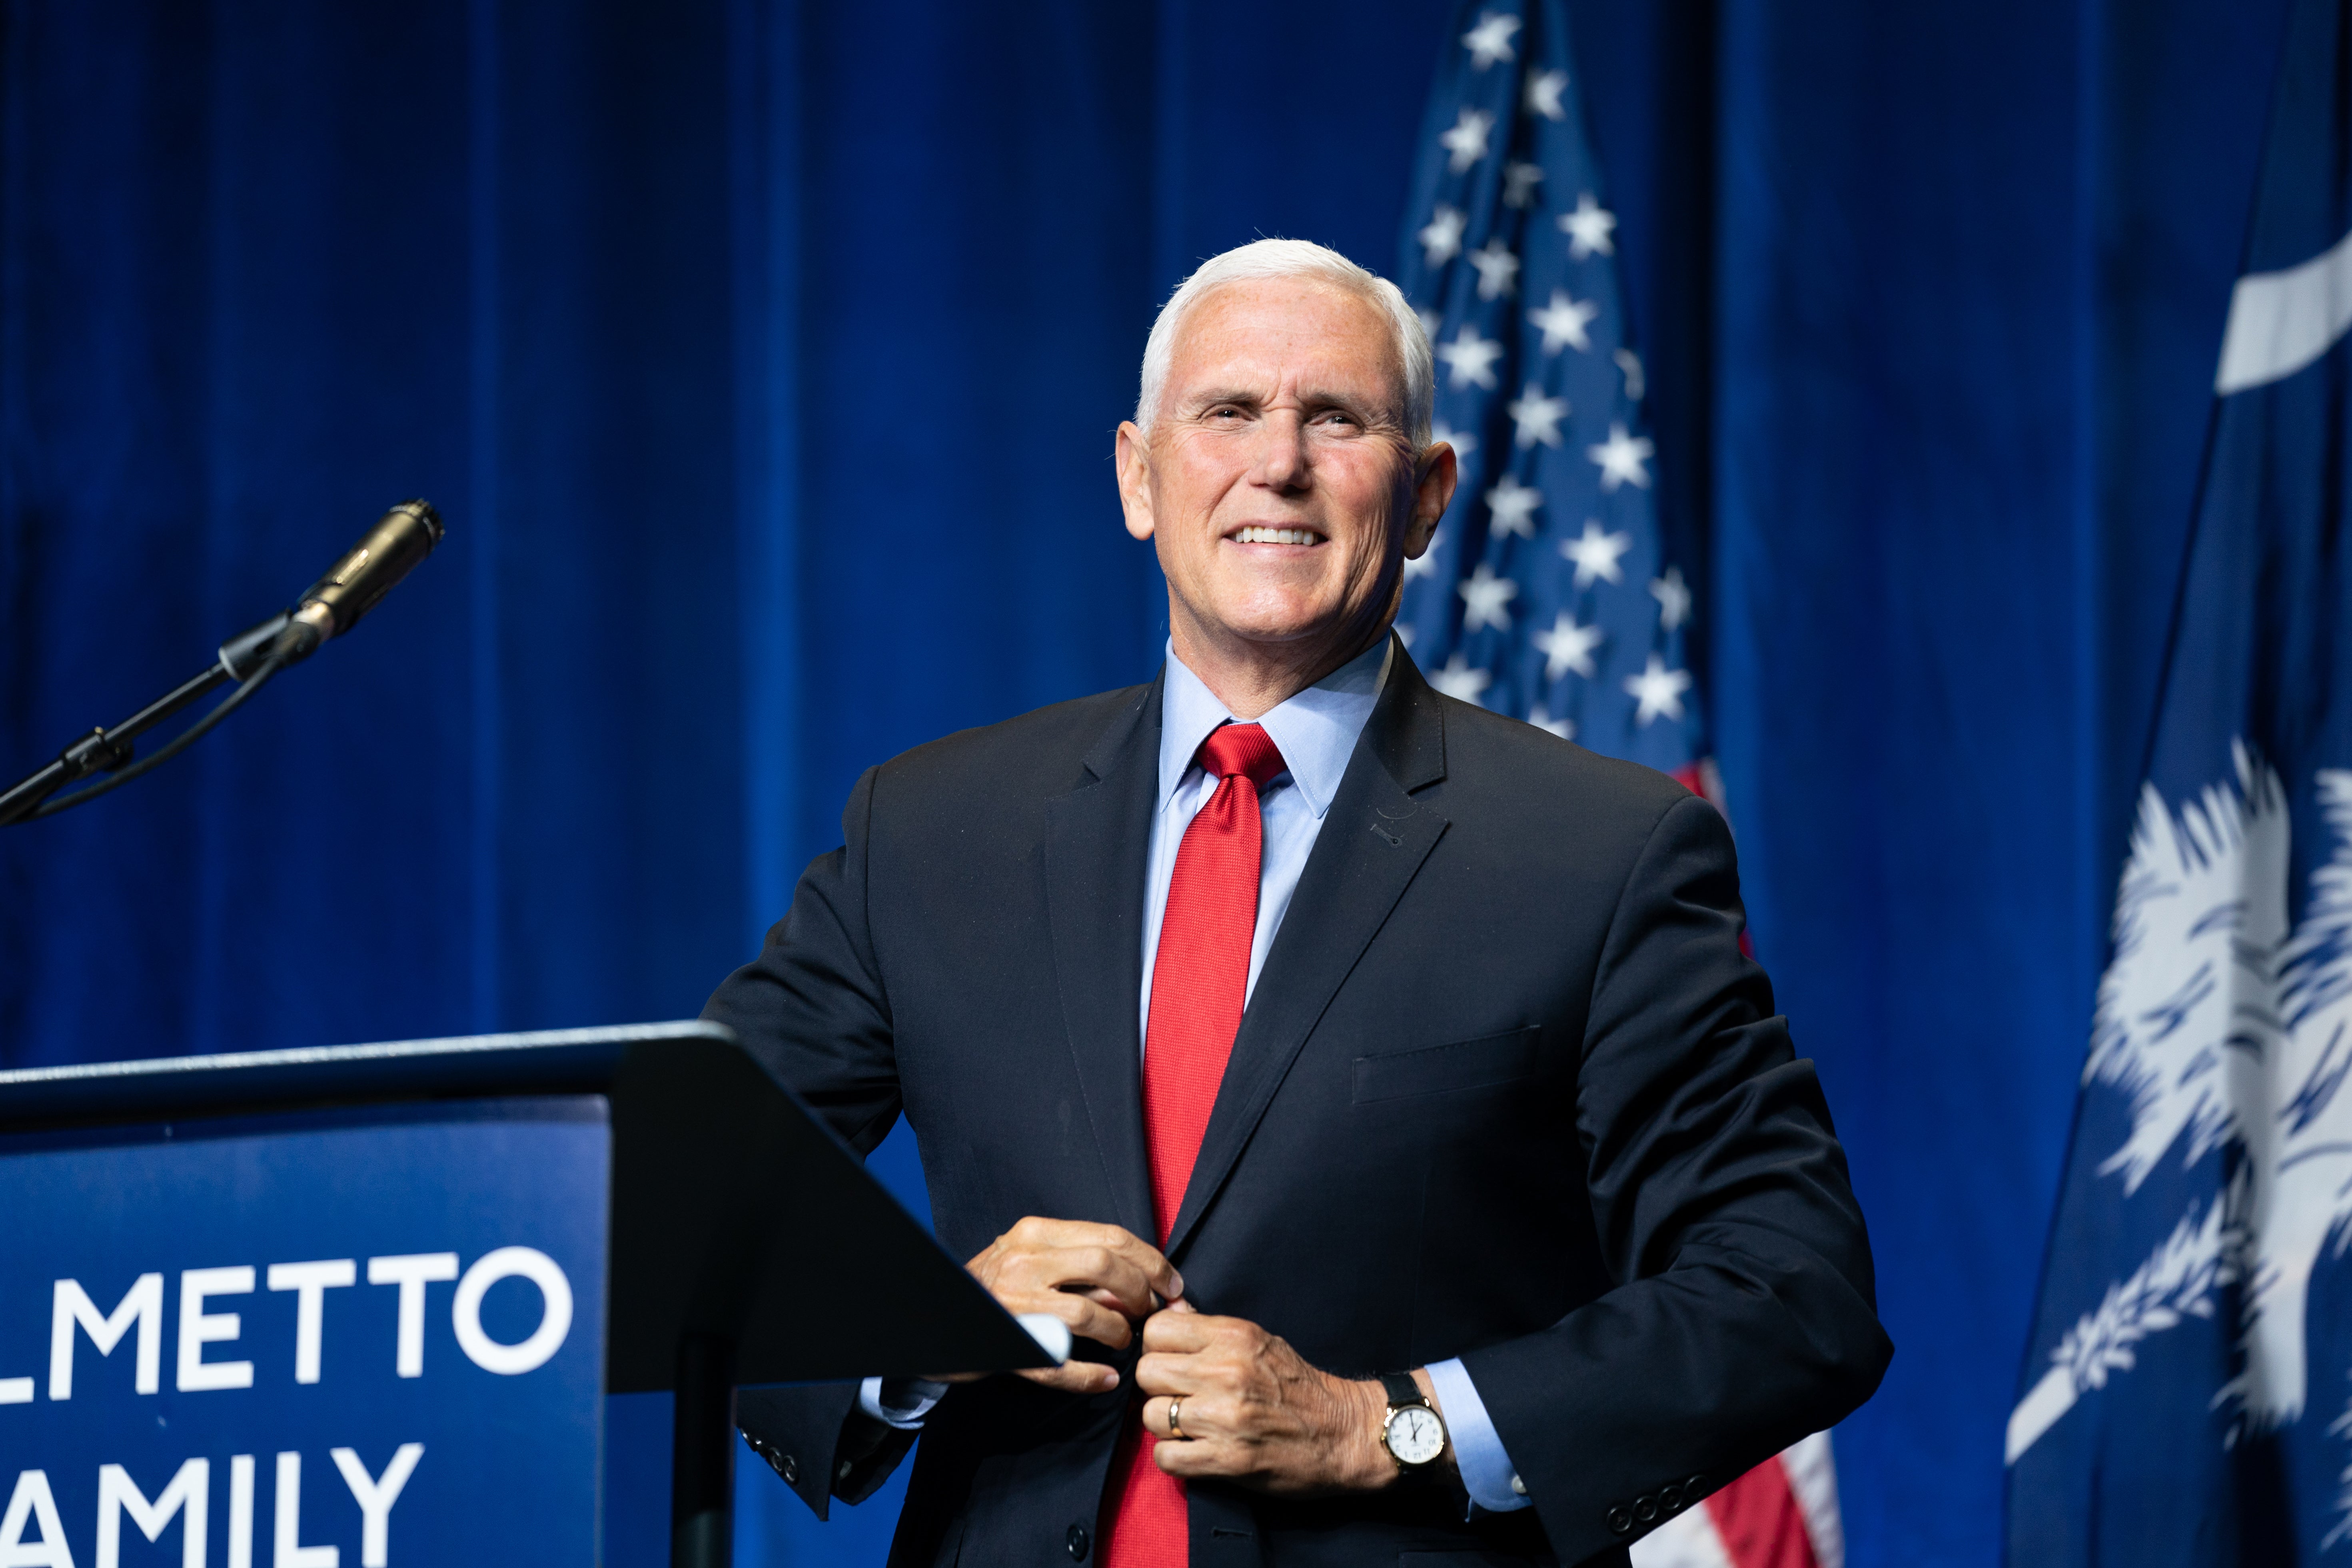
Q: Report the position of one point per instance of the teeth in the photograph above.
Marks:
(1277, 536)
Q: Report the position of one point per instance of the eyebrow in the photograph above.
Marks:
(1312, 400)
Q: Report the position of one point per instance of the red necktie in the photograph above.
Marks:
(1199, 981)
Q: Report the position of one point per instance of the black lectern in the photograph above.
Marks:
(417, 1269)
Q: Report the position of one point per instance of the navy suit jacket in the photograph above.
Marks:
(1507, 1090)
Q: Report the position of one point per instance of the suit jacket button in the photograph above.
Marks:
(1695, 1487)
(1670, 1497)
(1645, 1509)
(790, 1468)
(1620, 1521)
(1078, 1543)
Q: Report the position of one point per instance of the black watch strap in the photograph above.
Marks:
(1401, 1389)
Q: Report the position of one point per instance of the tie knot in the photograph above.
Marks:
(1245, 749)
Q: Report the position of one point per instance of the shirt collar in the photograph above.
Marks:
(1316, 729)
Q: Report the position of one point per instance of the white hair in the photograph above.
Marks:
(1297, 258)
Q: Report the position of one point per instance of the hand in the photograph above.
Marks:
(1098, 1279)
(1254, 1412)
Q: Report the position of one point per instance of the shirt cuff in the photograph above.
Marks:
(903, 1402)
(1487, 1474)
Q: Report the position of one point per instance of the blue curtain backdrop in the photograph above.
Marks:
(764, 357)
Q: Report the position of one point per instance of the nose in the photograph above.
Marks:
(1281, 452)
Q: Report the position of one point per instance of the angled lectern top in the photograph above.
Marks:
(360, 1305)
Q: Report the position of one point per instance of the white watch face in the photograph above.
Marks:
(1415, 1435)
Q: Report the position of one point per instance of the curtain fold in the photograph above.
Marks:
(764, 358)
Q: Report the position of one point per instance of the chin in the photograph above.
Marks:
(1278, 609)
(1286, 624)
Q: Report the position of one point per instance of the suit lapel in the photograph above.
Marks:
(1097, 838)
(1372, 845)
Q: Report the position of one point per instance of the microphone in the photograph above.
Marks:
(366, 572)
(328, 608)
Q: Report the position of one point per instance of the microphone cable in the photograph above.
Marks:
(330, 607)
(178, 743)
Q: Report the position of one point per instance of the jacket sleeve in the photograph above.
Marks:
(1744, 1315)
(811, 1007)
(820, 1442)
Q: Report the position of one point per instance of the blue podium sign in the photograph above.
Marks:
(331, 1308)
(342, 1339)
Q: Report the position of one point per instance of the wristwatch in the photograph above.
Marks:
(1413, 1431)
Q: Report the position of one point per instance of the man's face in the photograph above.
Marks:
(1278, 483)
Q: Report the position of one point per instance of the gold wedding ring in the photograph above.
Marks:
(1175, 1422)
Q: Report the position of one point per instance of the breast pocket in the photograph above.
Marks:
(1482, 1063)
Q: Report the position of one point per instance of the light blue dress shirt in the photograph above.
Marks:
(1316, 732)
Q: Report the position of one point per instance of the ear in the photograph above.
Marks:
(1432, 490)
(1132, 453)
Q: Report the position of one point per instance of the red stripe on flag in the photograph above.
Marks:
(1759, 1522)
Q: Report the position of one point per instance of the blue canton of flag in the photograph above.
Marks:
(1544, 595)
(2188, 1396)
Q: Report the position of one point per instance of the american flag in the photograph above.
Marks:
(1546, 593)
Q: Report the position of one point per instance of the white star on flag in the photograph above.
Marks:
(1568, 646)
(1537, 418)
(1513, 507)
(1564, 728)
(1440, 237)
(1563, 322)
(1657, 691)
(1519, 182)
(1499, 270)
(1422, 564)
(1468, 140)
(1459, 682)
(1673, 597)
(1621, 458)
(1588, 228)
(1485, 600)
(1544, 88)
(1471, 358)
(1463, 445)
(1490, 40)
(1595, 553)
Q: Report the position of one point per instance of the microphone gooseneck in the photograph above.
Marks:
(328, 608)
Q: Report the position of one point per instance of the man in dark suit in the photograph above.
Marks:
(1375, 1085)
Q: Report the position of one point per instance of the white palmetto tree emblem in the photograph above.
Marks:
(2224, 1026)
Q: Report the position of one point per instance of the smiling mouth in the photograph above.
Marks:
(1275, 536)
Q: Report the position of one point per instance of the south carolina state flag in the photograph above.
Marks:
(2186, 1399)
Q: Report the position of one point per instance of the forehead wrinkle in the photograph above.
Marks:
(1210, 316)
